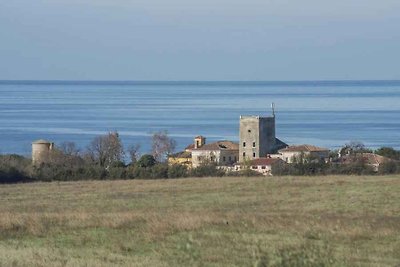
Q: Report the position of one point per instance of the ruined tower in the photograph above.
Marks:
(41, 151)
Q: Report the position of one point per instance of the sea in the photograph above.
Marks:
(323, 113)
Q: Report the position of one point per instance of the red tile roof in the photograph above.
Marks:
(220, 145)
(265, 161)
(304, 148)
(182, 154)
(368, 158)
(189, 147)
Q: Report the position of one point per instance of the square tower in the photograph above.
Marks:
(257, 137)
(199, 141)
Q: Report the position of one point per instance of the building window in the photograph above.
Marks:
(230, 158)
(224, 159)
(244, 144)
(254, 144)
(249, 131)
(263, 167)
(235, 159)
(254, 167)
(244, 154)
(254, 155)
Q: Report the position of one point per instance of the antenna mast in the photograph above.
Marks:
(273, 109)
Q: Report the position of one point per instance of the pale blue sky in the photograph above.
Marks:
(199, 40)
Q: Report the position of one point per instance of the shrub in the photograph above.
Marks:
(117, 173)
(14, 168)
(146, 161)
(137, 171)
(282, 169)
(388, 167)
(245, 172)
(159, 171)
(207, 170)
(177, 171)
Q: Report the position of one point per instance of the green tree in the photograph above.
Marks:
(146, 161)
(388, 152)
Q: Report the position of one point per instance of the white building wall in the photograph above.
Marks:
(220, 157)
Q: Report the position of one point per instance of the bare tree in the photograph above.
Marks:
(69, 148)
(106, 149)
(133, 151)
(356, 146)
(162, 145)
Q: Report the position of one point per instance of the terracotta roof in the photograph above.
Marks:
(182, 154)
(191, 146)
(41, 141)
(220, 145)
(374, 158)
(303, 148)
(369, 158)
(265, 161)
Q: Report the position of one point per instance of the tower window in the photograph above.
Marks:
(244, 154)
(254, 155)
(254, 144)
(244, 144)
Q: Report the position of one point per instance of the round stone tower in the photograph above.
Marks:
(41, 150)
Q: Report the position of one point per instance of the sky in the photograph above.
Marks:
(199, 40)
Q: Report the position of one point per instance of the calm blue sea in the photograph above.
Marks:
(327, 114)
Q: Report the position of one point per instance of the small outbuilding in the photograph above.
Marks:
(261, 165)
(290, 153)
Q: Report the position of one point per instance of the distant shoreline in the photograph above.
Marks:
(209, 83)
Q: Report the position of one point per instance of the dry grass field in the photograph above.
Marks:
(308, 221)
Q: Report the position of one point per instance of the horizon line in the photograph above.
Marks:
(206, 82)
(140, 80)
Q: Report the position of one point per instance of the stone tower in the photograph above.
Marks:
(41, 151)
(257, 137)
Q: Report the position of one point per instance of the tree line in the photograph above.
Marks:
(104, 158)
(357, 165)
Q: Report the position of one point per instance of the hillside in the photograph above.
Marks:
(339, 221)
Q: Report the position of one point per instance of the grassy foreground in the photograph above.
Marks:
(338, 221)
